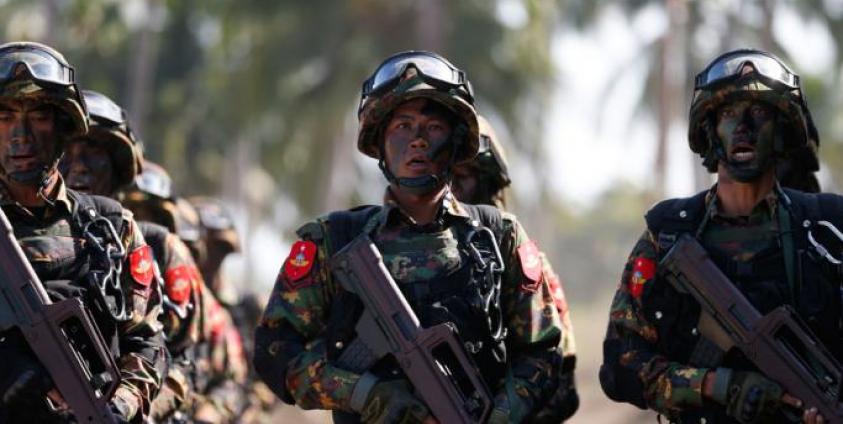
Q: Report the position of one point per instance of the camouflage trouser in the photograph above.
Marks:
(564, 400)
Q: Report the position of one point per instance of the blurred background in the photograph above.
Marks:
(254, 101)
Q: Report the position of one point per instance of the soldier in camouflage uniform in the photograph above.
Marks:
(748, 113)
(215, 366)
(483, 181)
(105, 161)
(220, 239)
(41, 108)
(417, 119)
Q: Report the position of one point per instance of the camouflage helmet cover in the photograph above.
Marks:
(115, 137)
(66, 97)
(801, 142)
(491, 157)
(376, 109)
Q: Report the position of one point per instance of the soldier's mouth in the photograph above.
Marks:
(743, 153)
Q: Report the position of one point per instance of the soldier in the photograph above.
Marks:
(417, 120)
(41, 108)
(104, 161)
(748, 113)
(483, 181)
(220, 239)
(216, 365)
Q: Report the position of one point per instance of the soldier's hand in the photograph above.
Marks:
(28, 380)
(809, 415)
(393, 402)
(508, 411)
(752, 398)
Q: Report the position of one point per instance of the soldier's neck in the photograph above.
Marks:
(27, 194)
(736, 198)
(423, 208)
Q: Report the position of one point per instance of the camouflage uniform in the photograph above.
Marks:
(54, 239)
(47, 241)
(209, 362)
(653, 354)
(290, 334)
(490, 171)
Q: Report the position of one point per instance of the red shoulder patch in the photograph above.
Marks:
(531, 265)
(177, 282)
(643, 270)
(300, 261)
(141, 266)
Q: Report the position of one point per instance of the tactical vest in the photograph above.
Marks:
(456, 297)
(65, 268)
(815, 294)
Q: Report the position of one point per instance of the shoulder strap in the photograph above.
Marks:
(489, 216)
(669, 218)
(344, 226)
(87, 207)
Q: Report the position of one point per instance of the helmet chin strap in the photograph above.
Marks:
(428, 183)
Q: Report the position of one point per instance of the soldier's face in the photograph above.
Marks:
(87, 167)
(464, 184)
(747, 131)
(415, 139)
(28, 138)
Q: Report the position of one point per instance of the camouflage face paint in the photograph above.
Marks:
(28, 139)
(87, 167)
(415, 130)
(747, 133)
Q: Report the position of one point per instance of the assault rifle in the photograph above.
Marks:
(62, 335)
(433, 359)
(779, 343)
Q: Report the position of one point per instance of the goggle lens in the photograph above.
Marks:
(41, 65)
(729, 67)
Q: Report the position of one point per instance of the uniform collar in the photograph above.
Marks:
(393, 214)
(61, 200)
(764, 210)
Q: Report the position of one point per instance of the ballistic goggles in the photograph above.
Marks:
(432, 68)
(103, 110)
(728, 66)
(43, 63)
(154, 180)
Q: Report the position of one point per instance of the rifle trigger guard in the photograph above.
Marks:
(822, 250)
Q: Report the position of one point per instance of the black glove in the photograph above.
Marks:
(393, 402)
(752, 398)
(26, 378)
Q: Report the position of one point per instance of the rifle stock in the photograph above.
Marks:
(62, 335)
(779, 343)
(433, 359)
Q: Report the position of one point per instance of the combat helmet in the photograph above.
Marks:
(409, 75)
(217, 223)
(39, 72)
(491, 158)
(772, 82)
(109, 128)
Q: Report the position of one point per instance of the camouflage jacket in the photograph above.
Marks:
(48, 236)
(200, 334)
(649, 349)
(290, 351)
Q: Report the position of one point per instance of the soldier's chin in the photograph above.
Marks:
(28, 177)
(745, 172)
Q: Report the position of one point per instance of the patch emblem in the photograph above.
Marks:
(141, 266)
(300, 260)
(531, 265)
(643, 270)
(177, 283)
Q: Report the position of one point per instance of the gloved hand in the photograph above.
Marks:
(26, 378)
(393, 402)
(120, 409)
(752, 398)
(508, 410)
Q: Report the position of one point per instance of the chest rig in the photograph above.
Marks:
(83, 257)
(790, 271)
(468, 296)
